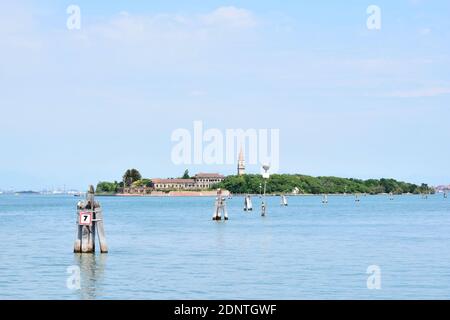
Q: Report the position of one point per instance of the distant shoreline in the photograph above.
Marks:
(197, 194)
(166, 194)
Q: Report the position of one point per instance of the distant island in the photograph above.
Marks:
(27, 192)
(205, 183)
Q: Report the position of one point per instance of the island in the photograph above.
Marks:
(205, 184)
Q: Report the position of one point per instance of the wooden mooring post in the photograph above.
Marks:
(220, 207)
(266, 176)
(284, 202)
(248, 206)
(89, 223)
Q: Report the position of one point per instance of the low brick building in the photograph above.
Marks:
(201, 181)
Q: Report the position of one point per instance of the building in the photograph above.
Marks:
(200, 181)
(207, 180)
(241, 164)
(173, 184)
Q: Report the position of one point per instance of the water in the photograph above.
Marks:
(168, 248)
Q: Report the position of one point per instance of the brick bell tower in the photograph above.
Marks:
(241, 164)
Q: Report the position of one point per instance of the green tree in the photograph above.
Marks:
(107, 187)
(143, 183)
(186, 174)
(130, 176)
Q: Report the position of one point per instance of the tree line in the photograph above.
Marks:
(286, 183)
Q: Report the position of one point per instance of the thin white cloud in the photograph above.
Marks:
(126, 26)
(230, 17)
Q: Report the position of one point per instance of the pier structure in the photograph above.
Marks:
(89, 224)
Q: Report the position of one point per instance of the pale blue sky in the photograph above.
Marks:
(82, 106)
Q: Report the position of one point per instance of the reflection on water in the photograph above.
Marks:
(92, 269)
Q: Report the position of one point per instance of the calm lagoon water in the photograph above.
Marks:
(169, 248)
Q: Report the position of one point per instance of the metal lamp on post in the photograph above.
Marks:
(266, 176)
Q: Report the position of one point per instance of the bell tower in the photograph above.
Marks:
(241, 164)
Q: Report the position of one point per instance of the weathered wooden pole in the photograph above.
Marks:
(284, 201)
(248, 206)
(216, 214)
(266, 176)
(220, 207)
(89, 220)
(224, 209)
(101, 231)
(263, 204)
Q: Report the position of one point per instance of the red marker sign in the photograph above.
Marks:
(85, 218)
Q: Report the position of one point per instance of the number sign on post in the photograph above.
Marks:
(85, 218)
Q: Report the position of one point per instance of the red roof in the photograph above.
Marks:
(167, 181)
(209, 175)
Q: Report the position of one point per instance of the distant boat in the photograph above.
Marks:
(284, 201)
(248, 206)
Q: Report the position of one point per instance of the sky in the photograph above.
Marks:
(78, 106)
